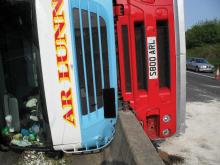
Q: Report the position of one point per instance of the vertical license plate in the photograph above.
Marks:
(152, 57)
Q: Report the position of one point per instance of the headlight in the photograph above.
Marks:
(202, 66)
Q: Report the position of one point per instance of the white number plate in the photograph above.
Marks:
(152, 57)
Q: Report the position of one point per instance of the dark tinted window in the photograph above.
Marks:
(80, 61)
(87, 48)
(96, 52)
(89, 51)
(105, 52)
(21, 74)
(201, 60)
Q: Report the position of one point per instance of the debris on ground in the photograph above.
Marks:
(38, 158)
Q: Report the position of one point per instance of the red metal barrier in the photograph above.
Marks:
(147, 62)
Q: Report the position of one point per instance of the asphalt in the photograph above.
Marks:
(202, 87)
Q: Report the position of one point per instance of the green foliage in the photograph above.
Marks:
(203, 33)
(203, 40)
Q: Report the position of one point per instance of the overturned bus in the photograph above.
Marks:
(58, 83)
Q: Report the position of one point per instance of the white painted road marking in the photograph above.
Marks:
(201, 74)
(212, 86)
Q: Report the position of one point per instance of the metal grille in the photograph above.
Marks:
(163, 53)
(140, 44)
(92, 58)
(126, 58)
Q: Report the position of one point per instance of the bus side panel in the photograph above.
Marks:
(58, 72)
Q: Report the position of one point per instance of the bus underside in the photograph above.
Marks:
(23, 115)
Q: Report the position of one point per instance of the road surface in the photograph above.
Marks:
(202, 87)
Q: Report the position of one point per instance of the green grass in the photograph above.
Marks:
(210, 52)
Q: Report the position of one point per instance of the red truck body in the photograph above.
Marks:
(147, 62)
